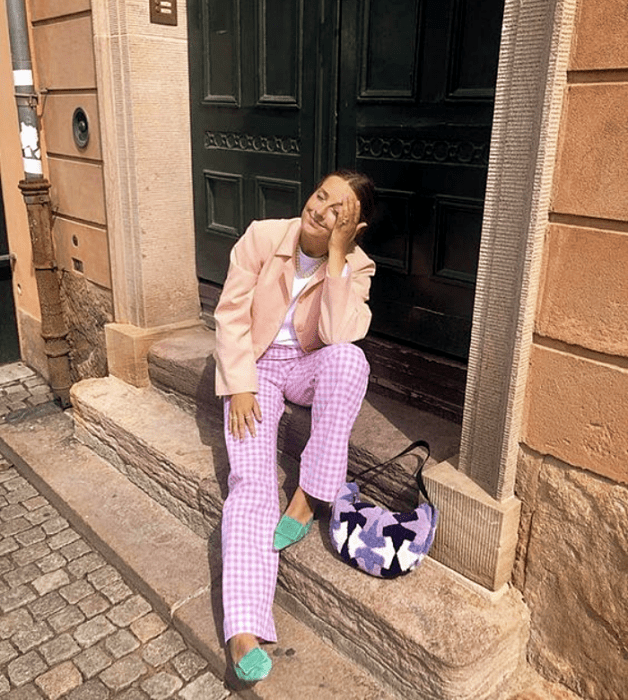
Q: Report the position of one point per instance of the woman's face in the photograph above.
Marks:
(320, 212)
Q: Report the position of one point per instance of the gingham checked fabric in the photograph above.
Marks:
(333, 381)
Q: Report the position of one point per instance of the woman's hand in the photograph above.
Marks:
(344, 233)
(243, 412)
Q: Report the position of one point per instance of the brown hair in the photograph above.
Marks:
(363, 187)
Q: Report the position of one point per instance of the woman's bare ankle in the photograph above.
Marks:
(301, 507)
(241, 644)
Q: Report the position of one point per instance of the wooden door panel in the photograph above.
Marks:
(390, 36)
(388, 241)
(280, 62)
(220, 51)
(252, 118)
(276, 198)
(457, 225)
(417, 90)
(473, 65)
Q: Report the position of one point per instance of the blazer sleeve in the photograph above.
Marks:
(345, 315)
(235, 360)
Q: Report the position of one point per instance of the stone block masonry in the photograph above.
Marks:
(578, 410)
(70, 626)
(571, 568)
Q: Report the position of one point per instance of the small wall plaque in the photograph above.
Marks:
(163, 12)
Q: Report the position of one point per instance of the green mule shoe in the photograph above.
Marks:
(253, 666)
(289, 531)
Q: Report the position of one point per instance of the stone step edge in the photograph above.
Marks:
(132, 429)
(296, 560)
(344, 606)
(176, 580)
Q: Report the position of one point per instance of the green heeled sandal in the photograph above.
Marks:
(289, 531)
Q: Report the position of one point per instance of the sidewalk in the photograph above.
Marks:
(20, 389)
(70, 625)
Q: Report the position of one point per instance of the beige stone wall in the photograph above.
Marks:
(144, 96)
(573, 474)
(65, 67)
(572, 571)
(142, 71)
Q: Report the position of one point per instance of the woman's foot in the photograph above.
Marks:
(250, 662)
(295, 522)
(301, 507)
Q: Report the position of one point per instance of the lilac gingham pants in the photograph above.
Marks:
(333, 381)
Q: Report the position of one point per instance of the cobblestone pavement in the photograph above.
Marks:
(70, 625)
(21, 388)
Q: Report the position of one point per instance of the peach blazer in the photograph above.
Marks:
(258, 291)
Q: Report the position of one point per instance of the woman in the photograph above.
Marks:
(293, 302)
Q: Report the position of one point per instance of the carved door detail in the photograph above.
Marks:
(284, 91)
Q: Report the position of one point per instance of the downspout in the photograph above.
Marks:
(36, 192)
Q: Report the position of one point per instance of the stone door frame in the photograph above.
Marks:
(478, 533)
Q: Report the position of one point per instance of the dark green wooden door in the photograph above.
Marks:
(416, 85)
(9, 347)
(283, 91)
(261, 113)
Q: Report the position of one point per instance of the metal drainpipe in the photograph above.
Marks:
(36, 192)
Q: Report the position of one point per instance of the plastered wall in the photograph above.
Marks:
(63, 62)
(573, 472)
(123, 197)
(11, 172)
(62, 43)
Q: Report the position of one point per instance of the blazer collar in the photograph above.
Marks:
(286, 250)
(289, 243)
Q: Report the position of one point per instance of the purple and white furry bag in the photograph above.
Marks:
(379, 541)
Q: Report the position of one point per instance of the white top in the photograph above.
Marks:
(308, 266)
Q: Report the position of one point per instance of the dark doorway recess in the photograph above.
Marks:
(9, 346)
(283, 92)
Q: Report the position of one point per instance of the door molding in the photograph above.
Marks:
(478, 531)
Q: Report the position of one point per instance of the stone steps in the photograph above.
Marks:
(182, 367)
(177, 570)
(430, 634)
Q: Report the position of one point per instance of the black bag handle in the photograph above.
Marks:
(418, 475)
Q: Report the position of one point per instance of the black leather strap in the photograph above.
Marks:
(418, 475)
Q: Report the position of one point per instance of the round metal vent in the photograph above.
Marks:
(80, 127)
